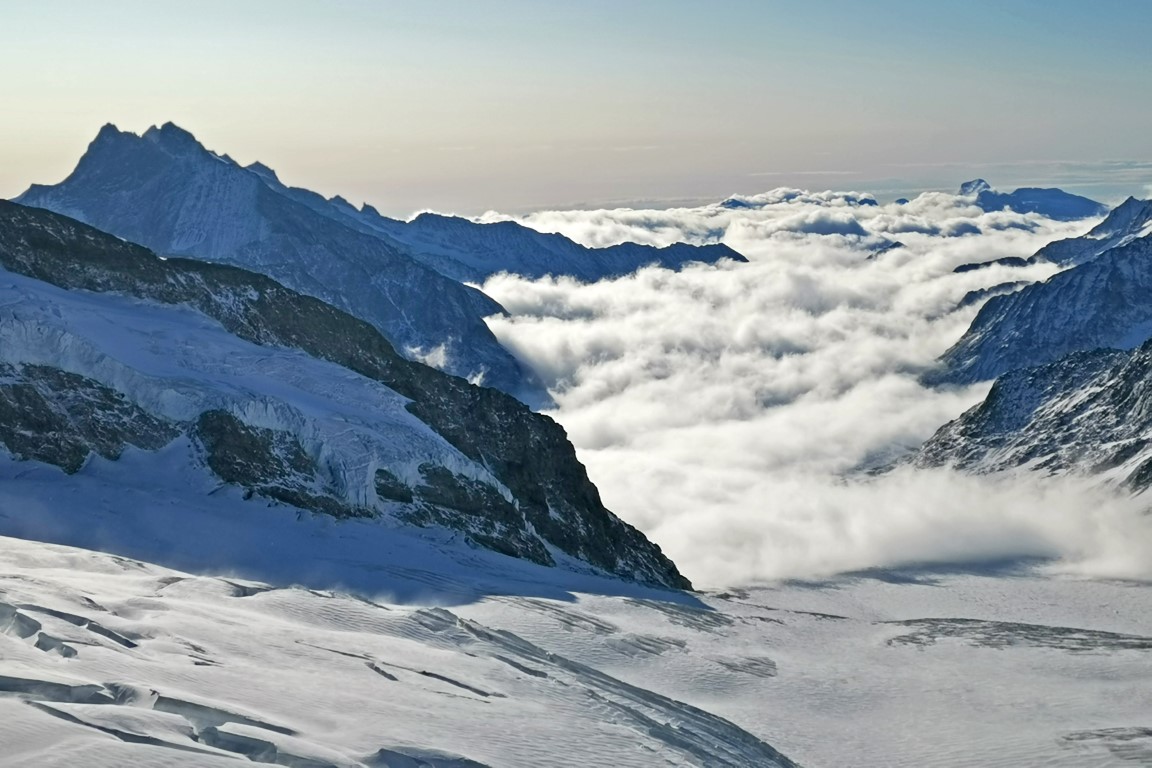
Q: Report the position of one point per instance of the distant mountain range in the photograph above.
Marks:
(167, 192)
(107, 348)
(1053, 203)
(1103, 301)
(1072, 359)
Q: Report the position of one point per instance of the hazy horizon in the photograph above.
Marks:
(512, 107)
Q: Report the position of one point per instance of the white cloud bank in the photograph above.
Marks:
(727, 411)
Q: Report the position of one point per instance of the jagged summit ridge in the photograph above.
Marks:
(1129, 221)
(167, 192)
(975, 187)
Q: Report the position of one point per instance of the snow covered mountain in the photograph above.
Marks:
(165, 191)
(1131, 220)
(106, 348)
(1101, 303)
(1051, 202)
(471, 252)
(1089, 413)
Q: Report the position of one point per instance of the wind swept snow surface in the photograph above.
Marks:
(110, 661)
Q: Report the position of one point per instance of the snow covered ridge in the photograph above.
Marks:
(1088, 413)
(103, 346)
(1101, 302)
(1072, 361)
(1129, 221)
(167, 192)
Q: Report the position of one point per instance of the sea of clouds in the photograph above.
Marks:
(735, 412)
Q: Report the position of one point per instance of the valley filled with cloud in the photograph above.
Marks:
(751, 417)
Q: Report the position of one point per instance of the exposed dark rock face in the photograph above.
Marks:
(492, 521)
(268, 462)
(555, 503)
(60, 418)
(391, 488)
(1007, 261)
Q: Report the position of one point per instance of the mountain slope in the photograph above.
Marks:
(282, 395)
(167, 192)
(1103, 302)
(1127, 222)
(1090, 412)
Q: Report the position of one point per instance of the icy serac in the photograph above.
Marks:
(105, 347)
(167, 192)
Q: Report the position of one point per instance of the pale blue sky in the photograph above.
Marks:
(511, 104)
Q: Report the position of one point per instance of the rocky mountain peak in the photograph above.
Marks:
(263, 171)
(173, 138)
(975, 187)
(1131, 217)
